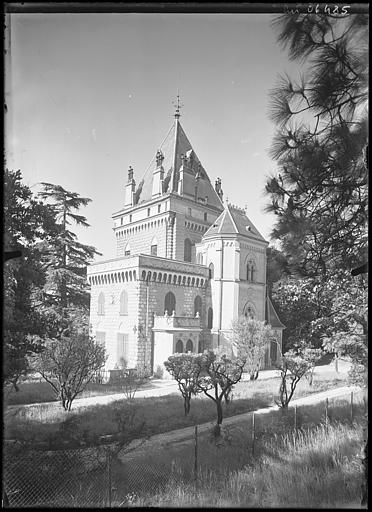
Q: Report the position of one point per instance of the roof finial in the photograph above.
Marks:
(178, 106)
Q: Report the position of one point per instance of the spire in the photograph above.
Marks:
(178, 106)
(177, 115)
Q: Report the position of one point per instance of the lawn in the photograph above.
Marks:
(40, 392)
(159, 414)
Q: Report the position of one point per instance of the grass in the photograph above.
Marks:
(160, 414)
(321, 467)
(40, 392)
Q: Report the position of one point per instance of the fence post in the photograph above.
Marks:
(196, 455)
(326, 412)
(253, 433)
(109, 477)
(351, 406)
(295, 417)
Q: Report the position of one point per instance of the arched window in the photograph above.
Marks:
(101, 304)
(124, 303)
(197, 305)
(211, 271)
(127, 250)
(154, 247)
(210, 318)
(187, 250)
(170, 303)
(251, 270)
(179, 347)
(189, 346)
(273, 351)
(249, 311)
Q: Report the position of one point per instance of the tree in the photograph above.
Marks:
(185, 369)
(65, 259)
(312, 356)
(299, 303)
(218, 375)
(354, 346)
(27, 223)
(276, 268)
(69, 363)
(293, 367)
(130, 380)
(320, 192)
(250, 338)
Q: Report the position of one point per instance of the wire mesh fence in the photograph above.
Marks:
(105, 476)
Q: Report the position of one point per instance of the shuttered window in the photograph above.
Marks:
(122, 349)
(124, 303)
(101, 338)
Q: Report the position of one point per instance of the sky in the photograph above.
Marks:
(90, 94)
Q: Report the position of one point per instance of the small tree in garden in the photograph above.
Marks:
(69, 364)
(185, 369)
(131, 380)
(292, 368)
(354, 346)
(250, 337)
(218, 374)
(312, 356)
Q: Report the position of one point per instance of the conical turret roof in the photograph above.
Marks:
(234, 221)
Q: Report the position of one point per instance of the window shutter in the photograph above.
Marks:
(101, 338)
(122, 350)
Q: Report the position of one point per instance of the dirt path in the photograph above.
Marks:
(186, 435)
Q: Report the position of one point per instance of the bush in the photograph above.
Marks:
(159, 372)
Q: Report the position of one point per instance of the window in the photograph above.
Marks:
(148, 212)
(210, 318)
(124, 303)
(130, 218)
(170, 303)
(179, 347)
(187, 250)
(154, 247)
(273, 351)
(189, 212)
(101, 304)
(249, 311)
(121, 221)
(189, 346)
(211, 271)
(101, 338)
(200, 258)
(251, 271)
(122, 350)
(197, 305)
(159, 208)
(205, 216)
(127, 250)
(154, 250)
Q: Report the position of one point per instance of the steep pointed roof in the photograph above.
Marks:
(234, 221)
(271, 315)
(175, 145)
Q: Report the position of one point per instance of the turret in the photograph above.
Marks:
(130, 188)
(218, 189)
(158, 175)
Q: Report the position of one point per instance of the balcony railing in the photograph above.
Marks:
(167, 322)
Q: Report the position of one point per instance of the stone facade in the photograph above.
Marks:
(187, 264)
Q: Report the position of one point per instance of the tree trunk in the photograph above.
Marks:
(219, 411)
